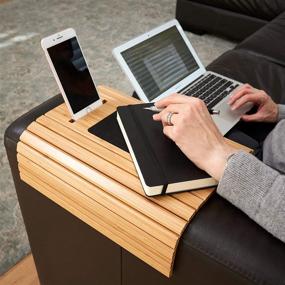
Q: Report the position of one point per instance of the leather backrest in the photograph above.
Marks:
(263, 9)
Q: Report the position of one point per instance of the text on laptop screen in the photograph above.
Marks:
(160, 62)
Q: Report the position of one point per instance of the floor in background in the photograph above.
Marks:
(26, 80)
(23, 273)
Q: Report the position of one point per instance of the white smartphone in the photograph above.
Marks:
(71, 72)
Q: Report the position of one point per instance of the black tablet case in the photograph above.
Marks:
(109, 130)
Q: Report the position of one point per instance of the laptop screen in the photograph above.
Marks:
(160, 62)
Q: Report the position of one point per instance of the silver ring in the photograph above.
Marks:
(168, 119)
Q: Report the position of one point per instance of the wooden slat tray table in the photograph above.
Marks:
(97, 182)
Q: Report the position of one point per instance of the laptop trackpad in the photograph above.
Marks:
(228, 118)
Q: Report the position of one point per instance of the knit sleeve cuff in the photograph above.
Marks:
(245, 182)
(281, 112)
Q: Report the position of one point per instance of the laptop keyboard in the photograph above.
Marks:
(211, 89)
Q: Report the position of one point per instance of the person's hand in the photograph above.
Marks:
(267, 110)
(194, 132)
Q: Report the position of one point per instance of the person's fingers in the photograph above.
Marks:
(241, 87)
(156, 117)
(252, 118)
(172, 99)
(246, 89)
(169, 121)
(165, 120)
(238, 95)
(168, 131)
(252, 97)
(174, 108)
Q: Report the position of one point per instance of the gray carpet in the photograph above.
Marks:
(26, 80)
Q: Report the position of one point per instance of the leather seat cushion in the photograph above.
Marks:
(263, 9)
(245, 67)
(268, 41)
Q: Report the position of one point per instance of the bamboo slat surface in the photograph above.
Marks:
(97, 182)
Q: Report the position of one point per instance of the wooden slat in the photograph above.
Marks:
(189, 199)
(237, 145)
(97, 182)
(203, 193)
(116, 96)
(175, 206)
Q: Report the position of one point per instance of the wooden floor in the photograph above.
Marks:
(23, 273)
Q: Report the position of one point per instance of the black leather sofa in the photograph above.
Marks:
(235, 19)
(220, 246)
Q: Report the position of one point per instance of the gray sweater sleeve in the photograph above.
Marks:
(258, 188)
(281, 112)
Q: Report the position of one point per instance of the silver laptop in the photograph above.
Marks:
(163, 61)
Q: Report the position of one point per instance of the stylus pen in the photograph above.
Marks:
(155, 109)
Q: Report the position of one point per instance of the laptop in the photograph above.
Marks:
(163, 61)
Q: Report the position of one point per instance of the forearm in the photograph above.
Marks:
(257, 190)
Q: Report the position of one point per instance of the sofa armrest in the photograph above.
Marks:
(65, 250)
(14, 131)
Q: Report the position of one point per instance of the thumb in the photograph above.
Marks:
(167, 130)
(251, 118)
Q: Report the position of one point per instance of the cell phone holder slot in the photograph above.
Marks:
(104, 101)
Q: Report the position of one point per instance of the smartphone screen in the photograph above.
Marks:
(74, 74)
